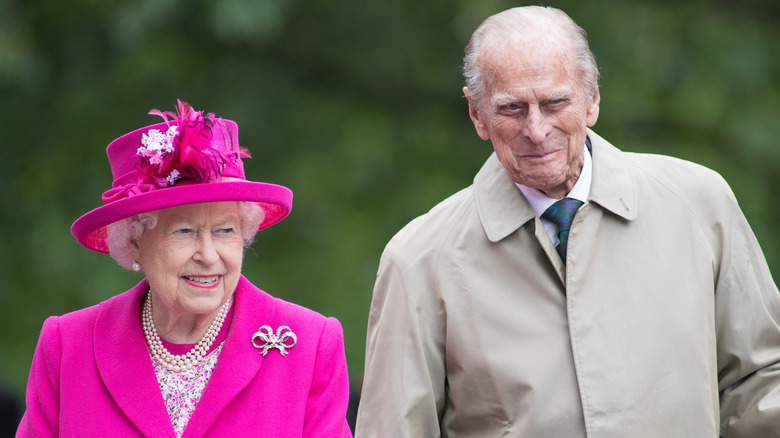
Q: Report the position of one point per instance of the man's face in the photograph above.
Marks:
(535, 112)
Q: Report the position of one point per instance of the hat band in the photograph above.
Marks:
(132, 184)
(127, 191)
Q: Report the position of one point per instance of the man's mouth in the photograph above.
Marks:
(539, 155)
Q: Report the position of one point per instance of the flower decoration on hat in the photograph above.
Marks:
(190, 150)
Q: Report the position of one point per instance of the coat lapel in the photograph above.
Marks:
(125, 366)
(501, 206)
(239, 361)
(613, 186)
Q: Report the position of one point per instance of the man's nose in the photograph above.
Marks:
(536, 126)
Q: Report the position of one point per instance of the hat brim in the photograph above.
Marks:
(90, 229)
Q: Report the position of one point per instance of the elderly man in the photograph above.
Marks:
(651, 313)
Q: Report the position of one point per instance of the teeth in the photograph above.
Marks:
(203, 280)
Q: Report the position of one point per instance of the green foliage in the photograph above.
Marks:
(355, 105)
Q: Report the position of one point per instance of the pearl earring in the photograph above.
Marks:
(136, 267)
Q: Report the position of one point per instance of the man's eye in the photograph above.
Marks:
(511, 109)
(557, 103)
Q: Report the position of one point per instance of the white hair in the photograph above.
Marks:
(121, 234)
(514, 22)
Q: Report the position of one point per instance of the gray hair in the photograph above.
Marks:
(514, 21)
(122, 233)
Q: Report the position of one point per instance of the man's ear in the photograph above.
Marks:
(480, 124)
(593, 109)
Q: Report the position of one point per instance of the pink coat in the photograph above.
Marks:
(92, 376)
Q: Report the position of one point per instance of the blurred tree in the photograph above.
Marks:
(355, 105)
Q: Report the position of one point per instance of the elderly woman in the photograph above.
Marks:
(194, 349)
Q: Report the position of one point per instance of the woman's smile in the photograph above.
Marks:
(203, 281)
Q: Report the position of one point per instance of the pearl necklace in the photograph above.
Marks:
(185, 361)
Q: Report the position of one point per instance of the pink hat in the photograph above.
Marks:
(188, 160)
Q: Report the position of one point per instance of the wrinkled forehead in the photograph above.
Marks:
(502, 47)
(532, 62)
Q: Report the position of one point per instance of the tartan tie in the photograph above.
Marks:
(561, 213)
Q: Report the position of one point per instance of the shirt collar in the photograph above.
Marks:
(581, 190)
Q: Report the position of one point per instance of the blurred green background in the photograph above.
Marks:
(354, 104)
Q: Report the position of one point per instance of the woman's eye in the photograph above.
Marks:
(184, 231)
(226, 231)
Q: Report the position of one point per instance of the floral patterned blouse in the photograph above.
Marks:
(182, 390)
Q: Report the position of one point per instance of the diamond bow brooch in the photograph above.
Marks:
(282, 340)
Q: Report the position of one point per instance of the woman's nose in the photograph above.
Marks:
(207, 251)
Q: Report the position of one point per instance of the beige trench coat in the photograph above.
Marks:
(664, 323)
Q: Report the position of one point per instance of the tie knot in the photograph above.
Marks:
(562, 212)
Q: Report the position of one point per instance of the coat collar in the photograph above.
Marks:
(124, 364)
(503, 209)
(126, 369)
(613, 186)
